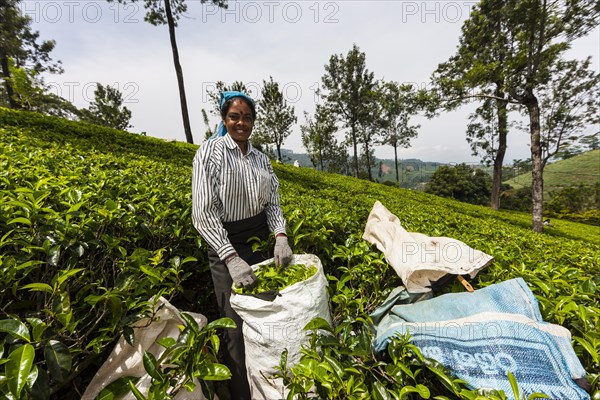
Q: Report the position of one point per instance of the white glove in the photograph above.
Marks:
(241, 273)
(283, 252)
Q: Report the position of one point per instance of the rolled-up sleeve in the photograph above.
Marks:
(205, 202)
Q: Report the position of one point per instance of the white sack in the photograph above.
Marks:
(127, 360)
(419, 259)
(271, 327)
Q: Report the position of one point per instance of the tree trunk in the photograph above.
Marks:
(321, 157)
(537, 178)
(9, 89)
(184, 110)
(396, 163)
(353, 131)
(279, 151)
(368, 156)
(501, 106)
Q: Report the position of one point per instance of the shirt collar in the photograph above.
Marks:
(231, 144)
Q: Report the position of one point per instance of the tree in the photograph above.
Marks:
(591, 142)
(522, 166)
(517, 199)
(209, 132)
(19, 43)
(318, 138)
(568, 104)
(31, 93)
(536, 34)
(460, 182)
(482, 132)
(399, 104)
(543, 31)
(575, 199)
(275, 117)
(370, 131)
(479, 65)
(367, 161)
(107, 109)
(348, 93)
(168, 12)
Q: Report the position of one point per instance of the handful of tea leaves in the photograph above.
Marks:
(271, 277)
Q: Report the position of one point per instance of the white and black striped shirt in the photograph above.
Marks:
(229, 186)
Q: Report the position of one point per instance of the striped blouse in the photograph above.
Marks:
(229, 186)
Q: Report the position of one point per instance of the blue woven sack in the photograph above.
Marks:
(481, 336)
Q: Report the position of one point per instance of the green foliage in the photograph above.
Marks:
(275, 117)
(462, 183)
(95, 139)
(187, 361)
(570, 189)
(349, 90)
(569, 104)
(516, 199)
(575, 199)
(318, 138)
(590, 217)
(19, 42)
(209, 132)
(511, 51)
(29, 92)
(87, 238)
(576, 203)
(107, 109)
(156, 13)
(399, 104)
(275, 278)
(94, 222)
(22, 58)
(590, 142)
(338, 363)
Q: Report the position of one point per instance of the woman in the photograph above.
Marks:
(235, 197)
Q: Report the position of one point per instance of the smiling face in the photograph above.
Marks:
(239, 123)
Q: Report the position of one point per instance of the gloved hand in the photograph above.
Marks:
(283, 252)
(241, 273)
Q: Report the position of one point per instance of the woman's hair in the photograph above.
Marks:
(228, 103)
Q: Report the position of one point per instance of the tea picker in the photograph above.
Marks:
(235, 197)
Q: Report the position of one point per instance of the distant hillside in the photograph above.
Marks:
(581, 169)
(289, 157)
(412, 171)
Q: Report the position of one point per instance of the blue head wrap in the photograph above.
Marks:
(221, 130)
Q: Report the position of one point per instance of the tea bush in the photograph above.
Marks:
(95, 222)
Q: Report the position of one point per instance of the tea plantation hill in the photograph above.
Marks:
(94, 221)
(413, 173)
(581, 169)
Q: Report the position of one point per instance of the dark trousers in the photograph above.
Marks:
(233, 347)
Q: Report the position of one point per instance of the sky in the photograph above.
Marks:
(291, 41)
